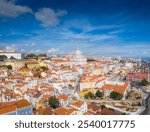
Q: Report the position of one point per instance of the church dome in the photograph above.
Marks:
(78, 52)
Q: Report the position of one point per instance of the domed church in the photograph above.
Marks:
(78, 58)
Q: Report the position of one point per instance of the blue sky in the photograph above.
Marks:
(97, 27)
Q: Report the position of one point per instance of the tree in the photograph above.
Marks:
(25, 65)
(31, 56)
(3, 57)
(53, 102)
(115, 95)
(91, 95)
(144, 82)
(9, 67)
(99, 94)
(44, 68)
(70, 86)
(86, 96)
(42, 55)
(12, 58)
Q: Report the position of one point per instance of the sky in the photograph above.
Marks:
(96, 27)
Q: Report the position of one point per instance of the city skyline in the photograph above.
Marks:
(106, 28)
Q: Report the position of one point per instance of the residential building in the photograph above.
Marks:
(15, 54)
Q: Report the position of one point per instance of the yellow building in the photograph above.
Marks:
(84, 92)
(24, 71)
(32, 64)
(87, 85)
(15, 64)
(42, 63)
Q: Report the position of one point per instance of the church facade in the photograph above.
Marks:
(78, 58)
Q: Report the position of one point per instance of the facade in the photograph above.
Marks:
(137, 76)
(143, 73)
(79, 105)
(15, 64)
(9, 54)
(79, 59)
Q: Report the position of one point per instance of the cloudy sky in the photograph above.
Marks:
(97, 27)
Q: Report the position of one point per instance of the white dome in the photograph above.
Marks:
(78, 52)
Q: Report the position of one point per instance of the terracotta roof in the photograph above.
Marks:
(22, 103)
(94, 78)
(24, 69)
(77, 103)
(93, 107)
(87, 113)
(45, 111)
(8, 109)
(64, 111)
(37, 95)
(72, 80)
(116, 88)
(1, 87)
(106, 111)
(31, 62)
(62, 97)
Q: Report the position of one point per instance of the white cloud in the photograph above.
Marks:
(49, 17)
(31, 45)
(20, 47)
(37, 51)
(53, 50)
(68, 34)
(85, 26)
(11, 47)
(10, 9)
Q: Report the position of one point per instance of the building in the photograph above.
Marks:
(139, 74)
(78, 58)
(24, 71)
(79, 105)
(67, 111)
(122, 88)
(15, 63)
(32, 64)
(15, 54)
(20, 107)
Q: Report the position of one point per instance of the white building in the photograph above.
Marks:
(17, 55)
(79, 59)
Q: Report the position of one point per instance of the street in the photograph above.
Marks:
(146, 102)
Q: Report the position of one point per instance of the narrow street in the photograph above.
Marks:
(146, 102)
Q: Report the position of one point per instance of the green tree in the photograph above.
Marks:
(42, 55)
(91, 95)
(86, 96)
(12, 58)
(25, 65)
(144, 82)
(3, 57)
(53, 102)
(44, 68)
(9, 67)
(31, 56)
(99, 94)
(115, 95)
